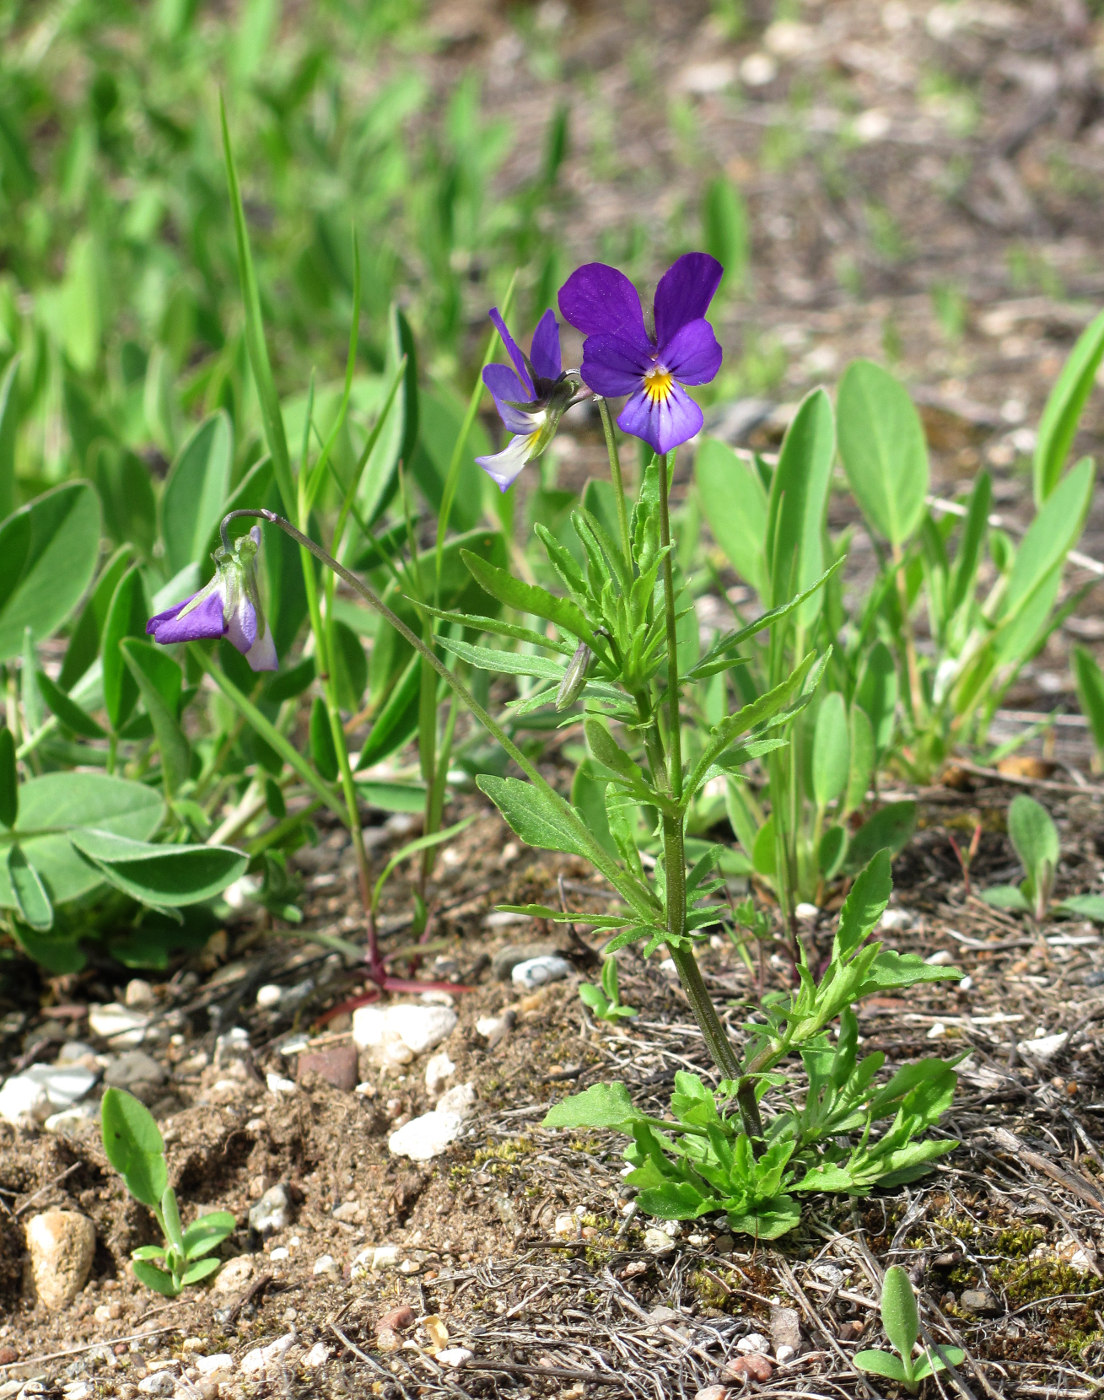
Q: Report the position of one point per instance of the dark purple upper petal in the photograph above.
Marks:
(545, 354)
(613, 366)
(507, 390)
(597, 300)
(205, 620)
(684, 293)
(662, 425)
(515, 354)
(692, 354)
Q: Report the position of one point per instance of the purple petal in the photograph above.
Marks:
(545, 354)
(613, 366)
(597, 300)
(505, 466)
(204, 620)
(508, 389)
(663, 425)
(514, 352)
(693, 354)
(684, 293)
(241, 625)
(262, 654)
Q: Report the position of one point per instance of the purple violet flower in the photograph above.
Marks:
(531, 398)
(621, 357)
(229, 606)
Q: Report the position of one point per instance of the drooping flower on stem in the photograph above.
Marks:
(621, 357)
(229, 606)
(531, 398)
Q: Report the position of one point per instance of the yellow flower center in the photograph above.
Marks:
(657, 384)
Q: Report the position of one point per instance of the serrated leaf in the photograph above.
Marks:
(534, 815)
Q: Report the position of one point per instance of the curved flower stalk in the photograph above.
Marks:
(621, 357)
(229, 606)
(531, 398)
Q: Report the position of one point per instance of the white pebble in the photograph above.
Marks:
(122, 1026)
(280, 1252)
(269, 995)
(326, 1264)
(157, 1383)
(427, 1136)
(807, 912)
(259, 1359)
(318, 1355)
(277, 1084)
(536, 972)
(455, 1357)
(221, 1361)
(460, 1099)
(439, 1069)
(754, 1342)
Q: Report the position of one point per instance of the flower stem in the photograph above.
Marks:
(615, 473)
(631, 891)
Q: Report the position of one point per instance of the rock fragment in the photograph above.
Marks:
(537, 972)
(272, 1212)
(61, 1244)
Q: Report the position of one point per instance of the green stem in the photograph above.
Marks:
(674, 755)
(602, 861)
(615, 473)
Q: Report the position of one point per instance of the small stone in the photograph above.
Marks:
(269, 996)
(1042, 1048)
(419, 1028)
(427, 1136)
(81, 1119)
(280, 1252)
(398, 1319)
(326, 1264)
(76, 1390)
(318, 1355)
(495, 1029)
(439, 1070)
(807, 913)
(121, 1026)
(506, 959)
(257, 1361)
(704, 79)
(221, 1363)
(387, 1339)
(234, 1274)
(272, 1212)
(61, 1244)
(157, 1383)
(755, 1366)
(753, 1342)
(785, 1328)
(460, 1099)
(74, 1052)
(138, 995)
(711, 1392)
(231, 1046)
(133, 1068)
(455, 1357)
(337, 1065)
(658, 1241)
(351, 1212)
(279, 1084)
(784, 1353)
(42, 1090)
(895, 920)
(538, 972)
(981, 1302)
(375, 1259)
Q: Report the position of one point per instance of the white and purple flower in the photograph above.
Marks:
(229, 606)
(531, 398)
(621, 357)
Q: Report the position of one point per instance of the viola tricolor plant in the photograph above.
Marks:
(611, 643)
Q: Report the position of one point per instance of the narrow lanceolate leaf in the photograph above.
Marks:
(31, 897)
(160, 680)
(863, 907)
(9, 427)
(734, 502)
(1089, 680)
(1033, 833)
(9, 779)
(275, 435)
(881, 442)
(1058, 424)
(528, 597)
(798, 502)
(196, 489)
(66, 710)
(126, 618)
(831, 749)
(534, 815)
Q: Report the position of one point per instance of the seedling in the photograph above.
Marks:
(605, 1000)
(902, 1326)
(136, 1150)
(1035, 838)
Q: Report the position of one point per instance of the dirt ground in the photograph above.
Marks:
(924, 184)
